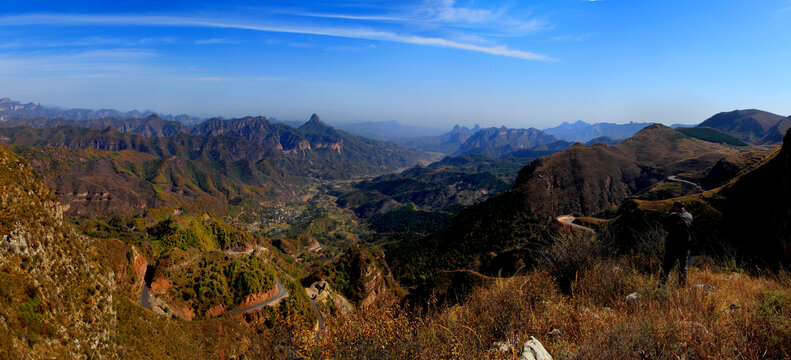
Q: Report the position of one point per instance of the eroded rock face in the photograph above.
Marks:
(363, 275)
(257, 298)
(58, 300)
(322, 293)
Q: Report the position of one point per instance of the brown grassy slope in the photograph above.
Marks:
(748, 125)
(59, 298)
(103, 183)
(587, 180)
(741, 317)
(55, 300)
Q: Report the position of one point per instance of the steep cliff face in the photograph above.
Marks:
(56, 301)
(361, 275)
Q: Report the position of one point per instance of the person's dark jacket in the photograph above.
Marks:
(677, 225)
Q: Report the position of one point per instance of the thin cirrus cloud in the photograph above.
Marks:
(342, 32)
(445, 13)
(84, 42)
(215, 41)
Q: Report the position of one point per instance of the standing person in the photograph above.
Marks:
(677, 243)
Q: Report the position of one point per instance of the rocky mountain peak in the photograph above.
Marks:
(314, 119)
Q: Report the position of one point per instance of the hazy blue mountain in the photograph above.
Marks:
(604, 139)
(447, 143)
(151, 126)
(676, 126)
(10, 109)
(583, 132)
(502, 141)
(388, 130)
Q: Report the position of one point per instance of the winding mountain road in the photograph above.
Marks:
(248, 252)
(144, 297)
(281, 294)
(674, 178)
(318, 313)
(569, 221)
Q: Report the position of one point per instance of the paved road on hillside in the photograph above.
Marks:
(674, 178)
(248, 252)
(569, 220)
(281, 293)
(144, 297)
(318, 313)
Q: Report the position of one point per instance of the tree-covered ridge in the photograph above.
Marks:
(201, 281)
(713, 135)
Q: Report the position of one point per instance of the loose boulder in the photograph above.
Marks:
(533, 350)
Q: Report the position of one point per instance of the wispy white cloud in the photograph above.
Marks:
(85, 64)
(350, 48)
(440, 13)
(216, 41)
(214, 79)
(445, 10)
(344, 32)
(115, 53)
(784, 10)
(83, 42)
(569, 38)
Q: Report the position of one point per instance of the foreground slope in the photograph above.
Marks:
(66, 296)
(56, 300)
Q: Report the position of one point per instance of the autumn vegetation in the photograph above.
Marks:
(723, 312)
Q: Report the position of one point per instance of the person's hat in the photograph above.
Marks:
(678, 204)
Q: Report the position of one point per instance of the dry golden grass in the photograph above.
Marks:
(742, 317)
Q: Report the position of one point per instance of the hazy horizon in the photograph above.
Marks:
(424, 63)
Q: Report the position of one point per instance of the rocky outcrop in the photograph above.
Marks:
(361, 275)
(533, 350)
(139, 266)
(323, 294)
(57, 299)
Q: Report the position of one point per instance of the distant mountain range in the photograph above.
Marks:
(500, 142)
(10, 109)
(583, 132)
(151, 162)
(494, 142)
(388, 130)
(447, 143)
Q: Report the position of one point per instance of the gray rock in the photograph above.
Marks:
(533, 350)
(501, 346)
(556, 333)
(633, 297)
(706, 287)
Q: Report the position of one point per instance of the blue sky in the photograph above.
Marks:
(433, 63)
